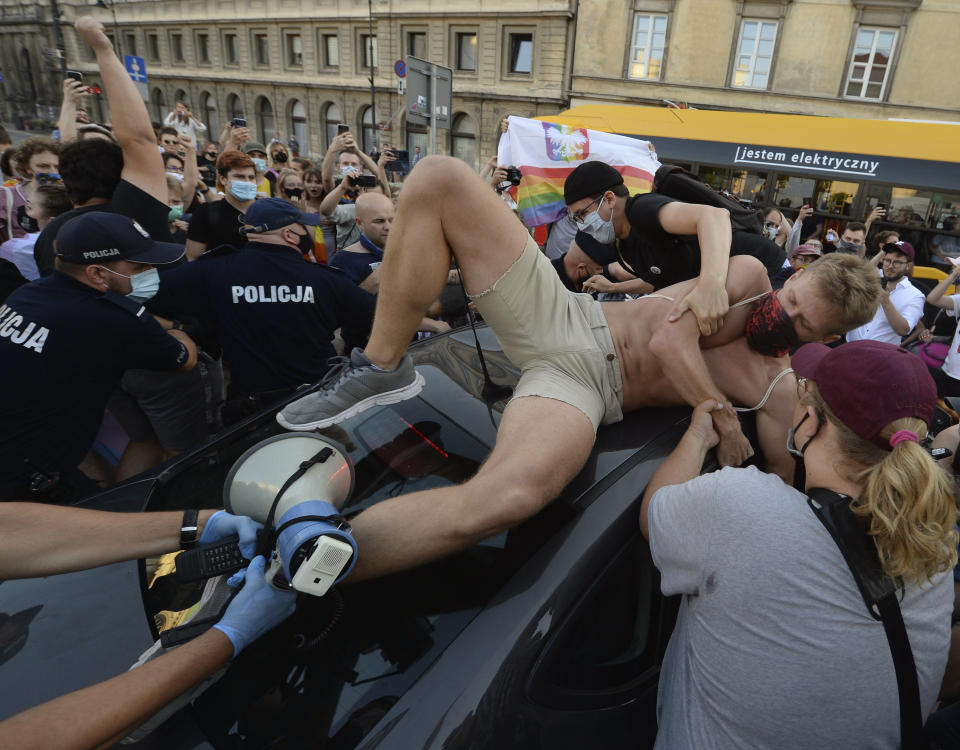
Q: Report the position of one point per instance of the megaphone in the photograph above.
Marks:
(294, 484)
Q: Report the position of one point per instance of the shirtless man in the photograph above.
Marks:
(584, 363)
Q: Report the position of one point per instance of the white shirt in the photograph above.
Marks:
(951, 365)
(908, 301)
(19, 251)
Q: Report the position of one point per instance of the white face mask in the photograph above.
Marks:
(771, 232)
(143, 285)
(597, 227)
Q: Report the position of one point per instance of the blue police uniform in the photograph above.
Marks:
(276, 313)
(63, 348)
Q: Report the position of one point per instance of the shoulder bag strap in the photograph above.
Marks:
(879, 593)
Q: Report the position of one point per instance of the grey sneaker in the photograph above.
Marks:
(355, 387)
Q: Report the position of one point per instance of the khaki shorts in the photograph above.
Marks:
(558, 339)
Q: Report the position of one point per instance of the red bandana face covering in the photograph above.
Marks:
(769, 329)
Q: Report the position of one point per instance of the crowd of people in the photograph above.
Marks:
(181, 284)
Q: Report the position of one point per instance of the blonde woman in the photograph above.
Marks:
(774, 646)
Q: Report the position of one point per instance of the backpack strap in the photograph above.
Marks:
(879, 593)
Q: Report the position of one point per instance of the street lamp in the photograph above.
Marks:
(112, 5)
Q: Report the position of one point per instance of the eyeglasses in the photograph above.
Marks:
(579, 216)
(895, 263)
(801, 387)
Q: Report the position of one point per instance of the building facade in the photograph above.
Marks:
(842, 58)
(292, 67)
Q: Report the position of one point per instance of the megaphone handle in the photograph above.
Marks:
(275, 569)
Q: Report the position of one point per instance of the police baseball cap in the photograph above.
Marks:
(268, 214)
(589, 179)
(99, 237)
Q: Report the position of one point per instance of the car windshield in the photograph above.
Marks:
(334, 668)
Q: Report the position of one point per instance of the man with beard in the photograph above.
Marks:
(583, 363)
(901, 303)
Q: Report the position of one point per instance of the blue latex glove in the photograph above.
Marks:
(222, 524)
(258, 607)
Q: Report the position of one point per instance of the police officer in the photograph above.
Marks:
(65, 341)
(276, 313)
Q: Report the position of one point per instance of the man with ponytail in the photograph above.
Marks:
(774, 646)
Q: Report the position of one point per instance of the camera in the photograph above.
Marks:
(239, 122)
(513, 177)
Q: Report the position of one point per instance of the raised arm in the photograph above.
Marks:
(793, 239)
(708, 299)
(191, 174)
(142, 166)
(340, 142)
(73, 93)
(332, 198)
(936, 297)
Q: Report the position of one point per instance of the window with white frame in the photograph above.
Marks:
(871, 63)
(646, 46)
(754, 55)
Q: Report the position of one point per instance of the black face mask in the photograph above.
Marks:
(280, 157)
(27, 223)
(295, 193)
(305, 242)
(769, 330)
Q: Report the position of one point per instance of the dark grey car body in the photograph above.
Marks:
(548, 636)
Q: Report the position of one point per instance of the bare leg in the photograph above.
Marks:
(445, 209)
(138, 457)
(521, 476)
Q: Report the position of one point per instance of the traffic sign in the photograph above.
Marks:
(426, 80)
(136, 67)
(400, 68)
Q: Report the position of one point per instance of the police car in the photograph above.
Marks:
(550, 635)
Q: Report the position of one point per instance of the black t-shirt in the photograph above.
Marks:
(664, 259)
(276, 313)
(63, 349)
(357, 266)
(127, 200)
(215, 224)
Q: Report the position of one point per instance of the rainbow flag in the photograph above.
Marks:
(547, 152)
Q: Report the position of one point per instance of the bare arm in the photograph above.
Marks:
(184, 339)
(100, 715)
(340, 142)
(142, 166)
(936, 297)
(375, 168)
(78, 539)
(629, 286)
(73, 93)
(331, 199)
(191, 175)
(686, 460)
(708, 299)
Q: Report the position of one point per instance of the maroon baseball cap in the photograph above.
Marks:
(869, 384)
(901, 247)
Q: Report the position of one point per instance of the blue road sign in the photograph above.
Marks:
(400, 68)
(136, 67)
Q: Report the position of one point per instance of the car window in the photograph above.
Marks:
(607, 649)
(332, 670)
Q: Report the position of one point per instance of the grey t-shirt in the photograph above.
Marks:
(774, 647)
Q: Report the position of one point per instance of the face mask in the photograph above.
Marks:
(176, 212)
(280, 157)
(260, 165)
(769, 330)
(210, 156)
(847, 247)
(295, 193)
(771, 232)
(144, 285)
(597, 227)
(176, 175)
(243, 191)
(27, 223)
(305, 242)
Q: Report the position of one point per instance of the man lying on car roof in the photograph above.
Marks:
(583, 363)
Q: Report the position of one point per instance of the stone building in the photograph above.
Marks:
(880, 59)
(299, 67)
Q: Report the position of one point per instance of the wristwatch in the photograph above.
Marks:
(189, 532)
